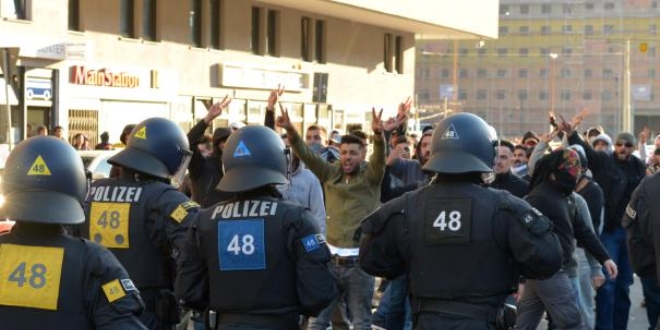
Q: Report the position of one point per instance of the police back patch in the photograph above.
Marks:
(312, 242)
(448, 221)
(241, 245)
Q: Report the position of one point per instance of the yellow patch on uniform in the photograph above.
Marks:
(109, 223)
(39, 167)
(141, 133)
(113, 290)
(179, 213)
(30, 276)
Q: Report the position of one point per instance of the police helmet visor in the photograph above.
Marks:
(140, 161)
(53, 207)
(180, 174)
(246, 178)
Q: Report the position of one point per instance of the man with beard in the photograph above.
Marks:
(352, 191)
(206, 170)
(504, 177)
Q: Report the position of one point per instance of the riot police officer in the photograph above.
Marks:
(463, 244)
(49, 280)
(257, 261)
(142, 218)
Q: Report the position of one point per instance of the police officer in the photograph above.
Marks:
(258, 261)
(49, 280)
(463, 244)
(142, 218)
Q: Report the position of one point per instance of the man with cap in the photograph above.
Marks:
(258, 261)
(206, 171)
(530, 139)
(49, 280)
(142, 218)
(462, 244)
(618, 174)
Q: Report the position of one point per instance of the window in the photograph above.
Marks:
(306, 39)
(566, 51)
(543, 73)
(609, 6)
(425, 73)
(588, 73)
(398, 54)
(126, 23)
(567, 29)
(504, 10)
(444, 73)
(216, 26)
(566, 73)
(546, 8)
(522, 95)
(504, 30)
(567, 8)
(319, 41)
(523, 52)
(481, 52)
(543, 95)
(586, 95)
(651, 73)
(463, 51)
(651, 51)
(74, 15)
(653, 28)
(462, 94)
(607, 73)
(256, 31)
(589, 6)
(149, 20)
(463, 73)
(522, 73)
(524, 9)
(271, 33)
(196, 23)
(501, 52)
(523, 30)
(607, 95)
(387, 52)
(545, 30)
(589, 30)
(482, 73)
(500, 94)
(608, 28)
(424, 95)
(501, 73)
(481, 94)
(565, 95)
(16, 9)
(545, 51)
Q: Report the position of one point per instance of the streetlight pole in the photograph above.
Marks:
(627, 109)
(553, 57)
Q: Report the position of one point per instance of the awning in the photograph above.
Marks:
(13, 100)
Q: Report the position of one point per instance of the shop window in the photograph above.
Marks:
(85, 122)
(74, 15)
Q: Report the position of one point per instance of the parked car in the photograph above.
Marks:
(96, 161)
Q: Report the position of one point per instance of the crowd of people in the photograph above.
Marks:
(272, 228)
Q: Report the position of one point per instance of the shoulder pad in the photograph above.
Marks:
(529, 217)
(375, 221)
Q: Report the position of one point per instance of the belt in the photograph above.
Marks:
(467, 310)
(271, 321)
(351, 261)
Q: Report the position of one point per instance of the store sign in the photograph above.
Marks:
(65, 51)
(81, 75)
(236, 75)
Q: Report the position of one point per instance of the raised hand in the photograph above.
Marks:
(547, 137)
(376, 121)
(274, 96)
(404, 109)
(283, 119)
(215, 110)
(577, 120)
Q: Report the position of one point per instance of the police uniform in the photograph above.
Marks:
(462, 244)
(49, 280)
(256, 262)
(141, 218)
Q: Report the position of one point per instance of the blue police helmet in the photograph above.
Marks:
(44, 181)
(461, 143)
(254, 156)
(156, 146)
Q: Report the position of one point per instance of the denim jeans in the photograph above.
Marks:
(357, 289)
(393, 311)
(557, 296)
(613, 297)
(586, 296)
(652, 297)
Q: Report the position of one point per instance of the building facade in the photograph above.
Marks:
(96, 65)
(561, 55)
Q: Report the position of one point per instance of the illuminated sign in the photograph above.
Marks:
(103, 77)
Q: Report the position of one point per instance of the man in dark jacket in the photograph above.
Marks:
(504, 177)
(206, 171)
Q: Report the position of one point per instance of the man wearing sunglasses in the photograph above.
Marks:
(618, 174)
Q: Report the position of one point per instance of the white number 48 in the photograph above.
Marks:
(454, 223)
(247, 246)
